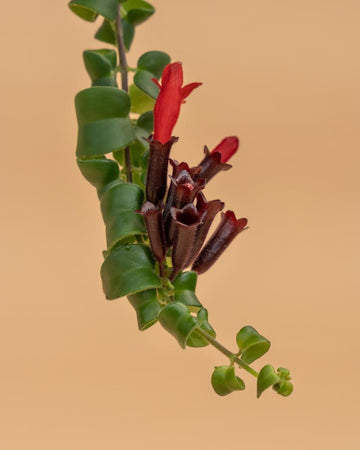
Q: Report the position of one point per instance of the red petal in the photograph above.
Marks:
(187, 90)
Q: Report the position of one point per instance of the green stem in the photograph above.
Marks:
(124, 81)
(225, 351)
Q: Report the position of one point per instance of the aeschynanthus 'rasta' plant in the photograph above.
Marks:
(157, 223)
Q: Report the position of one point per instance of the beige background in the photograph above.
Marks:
(76, 373)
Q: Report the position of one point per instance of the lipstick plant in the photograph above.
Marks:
(157, 224)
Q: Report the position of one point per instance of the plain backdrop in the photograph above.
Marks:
(75, 371)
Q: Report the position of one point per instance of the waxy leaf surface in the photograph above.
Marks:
(128, 269)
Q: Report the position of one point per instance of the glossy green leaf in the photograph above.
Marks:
(146, 121)
(224, 381)
(143, 80)
(195, 340)
(267, 377)
(128, 269)
(137, 11)
(99, 172)
(104, 126)
(153, 62)
(178, 321)
(118, 206)
(185, 285)
(106, 33)
(144, 160)
(90, 9)
(128, 33)
(136, 150)
(100, 65)
(140, 102)
(186, 281)
(251, 344)
(147, 308)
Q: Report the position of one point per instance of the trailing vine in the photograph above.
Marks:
(156, 229)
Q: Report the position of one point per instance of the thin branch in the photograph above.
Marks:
(225, 351)
(124, 81)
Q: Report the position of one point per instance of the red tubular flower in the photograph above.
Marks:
(215, 161)
(227, 230)
(171, 96)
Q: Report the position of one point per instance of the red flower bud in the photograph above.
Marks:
(227, 147)
(215, 161)
(170, 98)
(227, 230)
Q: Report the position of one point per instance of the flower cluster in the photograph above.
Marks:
(179, 217)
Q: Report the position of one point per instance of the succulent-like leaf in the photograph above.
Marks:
(140, 101)
(178, 321)
(147, 308)
(100, 65)
(224, 381)
(104, 126)
(185, 285)
(251, 344)
(143, 79)
(153, 62)
(106, 33)
(146, 121)
(267, 377)
(128, 269)
(118, 206)
(137, 11)
(99, 172)
(195, 340)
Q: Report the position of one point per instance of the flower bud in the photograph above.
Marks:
(227, 230)
(155, 227)
(211, 208)
(211, 165)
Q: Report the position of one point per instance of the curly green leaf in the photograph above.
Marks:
(128, 269)
(104, 126)
(147, 308)
(118, 206)
(224, 381)
(251, 344)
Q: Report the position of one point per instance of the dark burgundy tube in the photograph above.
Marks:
(183, 191)
(211, 165)
(155, 227)
(186, 222)
(156, 177)
(227, 230)
(210, 209)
